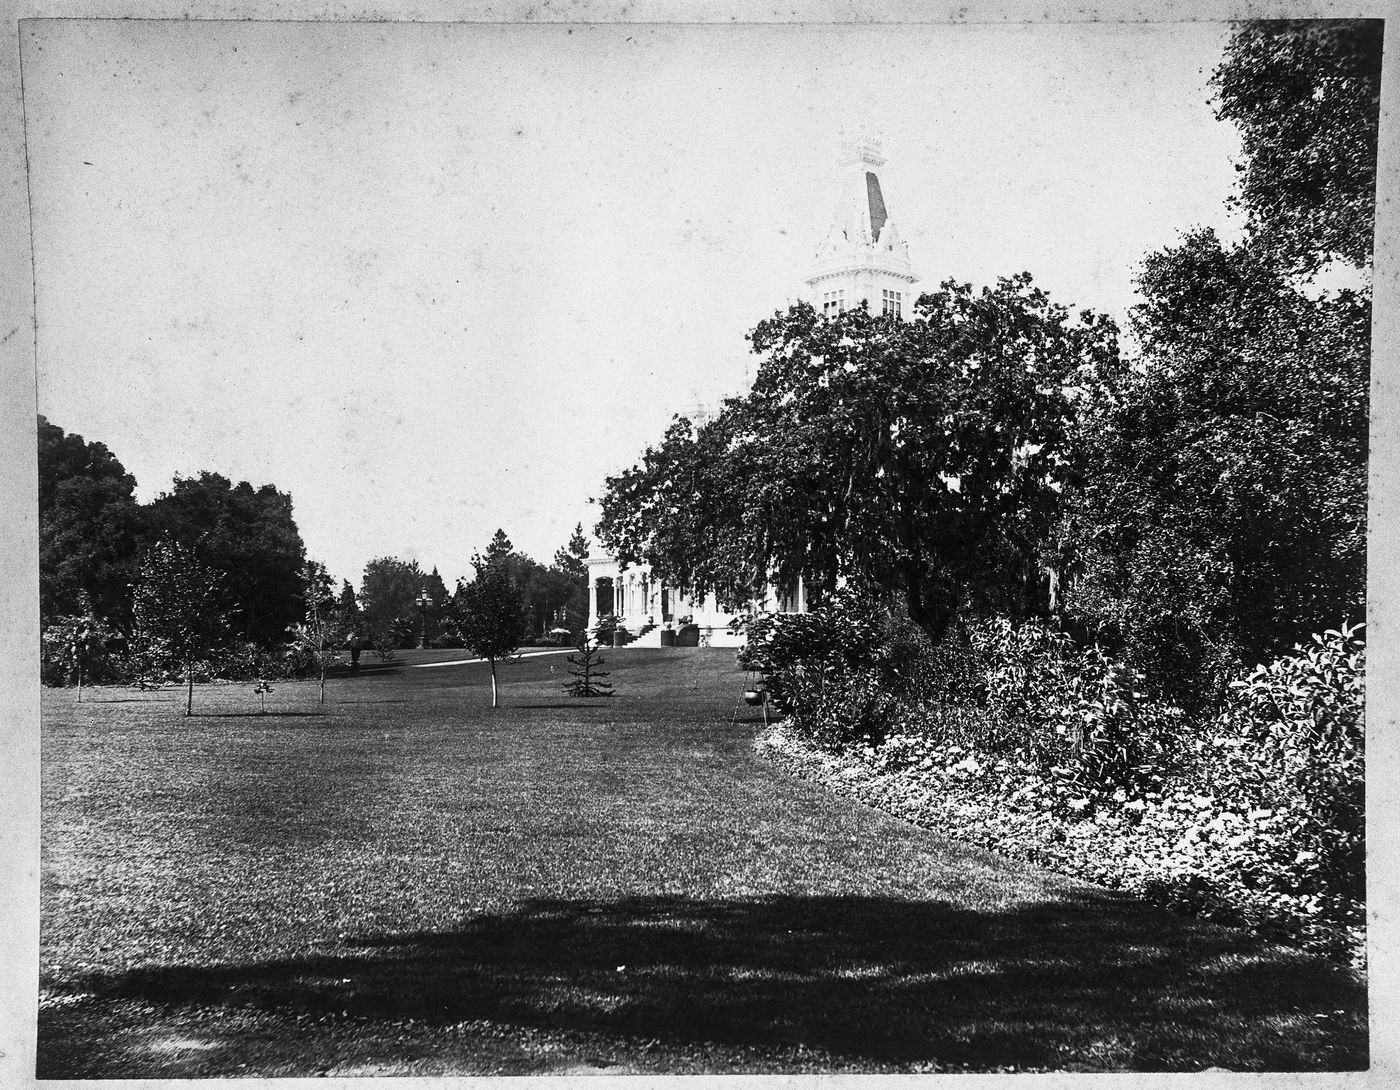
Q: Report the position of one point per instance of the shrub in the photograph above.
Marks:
(607, 625)
(1070, 707)
(827, 669)
(1292, 741)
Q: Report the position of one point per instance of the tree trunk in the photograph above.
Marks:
(323, 683)
(494, 702)
(80, 680)
(189, 697)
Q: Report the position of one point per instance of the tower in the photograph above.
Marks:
(862, 256)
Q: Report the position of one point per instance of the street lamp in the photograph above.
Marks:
(423, 603)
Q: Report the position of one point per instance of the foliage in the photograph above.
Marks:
(261, 689)
(585, 673)
(569, 583)
(75, 648)
(1292, 741)
(249, 535)
(88, 526)
(921, 458)
(1222, 515)
(487, 613)
(388, 603)
(827, 669)
(1305, 96)
(1075, 713)
(177, 608)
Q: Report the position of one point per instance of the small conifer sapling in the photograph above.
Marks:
(583, 668)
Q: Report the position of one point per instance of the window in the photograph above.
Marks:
(833, 302)
(891, 301)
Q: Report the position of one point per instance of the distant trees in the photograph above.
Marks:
(569, 575)
(177, 606)
(389, 592)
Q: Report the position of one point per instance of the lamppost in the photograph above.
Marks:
(423, 603)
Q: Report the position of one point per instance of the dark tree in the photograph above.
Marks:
(487, 613)
(1305, 96)
(585, 673)
(569, 575)
(177, 604)
(1223, 516)
(89, 522)
(388, 602)
(248, 534)
(922, 458)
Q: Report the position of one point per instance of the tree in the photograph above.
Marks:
(1305, 96)
(539, 593)
(569, 577)
(389, 593)
(487, 612)
(88, 526)
(921, 458)
(328, 624)
(1223, 515)
(584, 670)
(177, 604)
(70, 641)
(249, 535)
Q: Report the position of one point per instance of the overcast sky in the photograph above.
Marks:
(436, 279)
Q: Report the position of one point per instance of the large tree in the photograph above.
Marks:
(1223, 516)
(1305, 96)
(388, 602)
(923, 458)
(247, 533)
(88, 526)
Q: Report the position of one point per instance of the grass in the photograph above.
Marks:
(412, 884)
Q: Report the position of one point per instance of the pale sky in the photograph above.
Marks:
(435, 279)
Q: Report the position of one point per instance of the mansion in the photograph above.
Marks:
(861, 259)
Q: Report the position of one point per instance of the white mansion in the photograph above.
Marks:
(862, 258)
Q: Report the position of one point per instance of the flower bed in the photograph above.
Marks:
(1206, 854)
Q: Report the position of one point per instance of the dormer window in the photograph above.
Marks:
(891, 301)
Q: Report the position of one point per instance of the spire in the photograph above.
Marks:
(862, 255)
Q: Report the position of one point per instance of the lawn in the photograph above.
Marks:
(408, 883)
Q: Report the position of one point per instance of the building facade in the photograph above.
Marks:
(860, 259)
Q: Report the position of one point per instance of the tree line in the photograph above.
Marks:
(218, 572)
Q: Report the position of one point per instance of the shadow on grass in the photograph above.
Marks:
(1092, 980)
